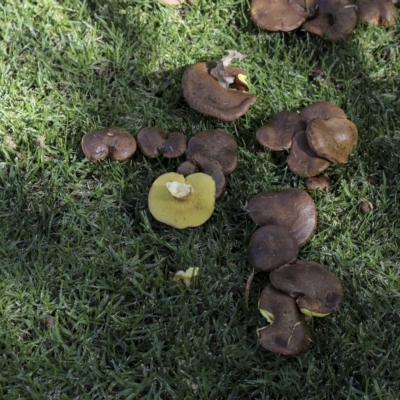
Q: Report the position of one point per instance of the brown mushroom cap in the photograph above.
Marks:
(318, 182)
(288, 333)
(270, 247)
(187, 168)
(215, 144)
(213, 168)
(318, 290)
(114, 142)
(321, 109)
(174, 145)
(292, 208)
(335, 19)
(278, 134)
(302, 160)
(279, 15)
(151, 141)
(333, 139)
(206, 95)
(377, 12)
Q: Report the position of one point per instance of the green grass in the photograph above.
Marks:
(89, 309)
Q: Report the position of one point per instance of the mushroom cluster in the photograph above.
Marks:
(332, 19)
(288, 219)
(319, 136)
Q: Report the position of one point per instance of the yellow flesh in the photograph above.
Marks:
(309, 313)
(242, 78)
(182, 213)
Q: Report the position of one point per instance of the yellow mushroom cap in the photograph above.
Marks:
(191, 211)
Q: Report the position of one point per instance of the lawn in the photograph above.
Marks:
(89, 308)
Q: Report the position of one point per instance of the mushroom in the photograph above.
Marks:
(318, 291)
(271, 247)
(318, 182)
(182, 202)
(279, 15)
(116, 143)
(321, 109)
(288, 333)
(366, 207)
(187, 168)
(278, 134)
(333, 139)
(377, 12)
(302, 160)
(217, 145)
(154, 141)
(334, 19)
(292, 208)
(206, 95)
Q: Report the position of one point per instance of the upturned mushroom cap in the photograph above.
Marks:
(278, 134)
(215, 144)
(333, 139)
(334, 20)
(293, 209)
(151, 141)
(271, 247)
(318, 182)
(190, 211)
(323, 110)
(206, 95)
(302, 160)
(318, 291)
(288, 333)
(174, 145)
(116, 143)
(279, 15)
(377, 12)
(187, 168)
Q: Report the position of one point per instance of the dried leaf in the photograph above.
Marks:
(219, 72)
(232, 55)
(188, 276)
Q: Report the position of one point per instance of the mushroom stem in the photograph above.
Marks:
(179, 191)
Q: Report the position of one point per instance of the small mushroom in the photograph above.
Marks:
(323, 110)
(333, 139)
(278, 134)
(366, 207)
(334, 19)
(116, 143)
(271, 247)
(302, 160)
(182, 202)
(206, 95)
(288, 333)
(187, 168)
(292, 208)
(279, 15)
(154, 141)
(377, 12)
(318, 182)
(215, 144)
(318, 291)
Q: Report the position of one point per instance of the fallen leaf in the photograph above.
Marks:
(219, 72)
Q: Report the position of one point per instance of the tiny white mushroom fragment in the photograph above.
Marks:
(179, 190)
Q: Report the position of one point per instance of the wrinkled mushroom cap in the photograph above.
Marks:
(293, 209)
(279, 15)
(318, 290)
(377, 12)
(288, 333)
(302, 160)
(270, 247)
(323, 110)
(215, 144)
(192, 211)
(333, 139)
(116, 143)
(206, 95)
(278, 134)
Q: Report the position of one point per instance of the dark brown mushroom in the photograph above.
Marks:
(187, 168)
(151, 141)
(206, 95)
(271, 247)
(377, 12)
(279, 15)
(215, 144)
(318, 291)
(334, 19)
(318, 182)
(213, 168)
(278, 134)
(302, 160)
(321, 109)
(333, 139)
(292, 208)
(288, 333)
(174, 145)
(116, 143)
